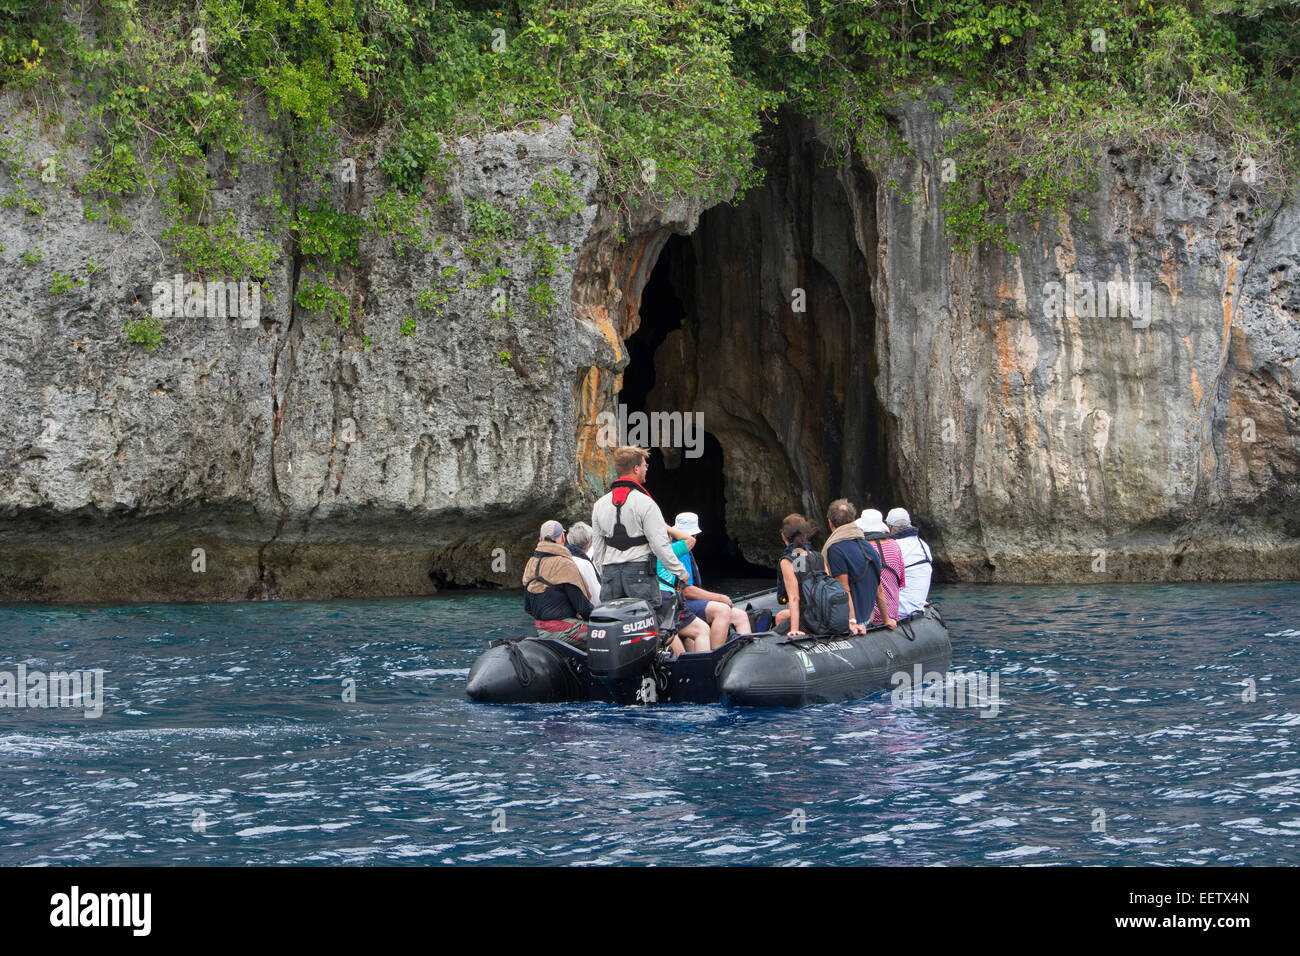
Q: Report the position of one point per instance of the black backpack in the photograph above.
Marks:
(823, 601)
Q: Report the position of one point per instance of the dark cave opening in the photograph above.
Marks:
(762, 321)
(684, 479)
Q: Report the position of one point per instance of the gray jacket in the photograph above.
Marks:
(641, 516)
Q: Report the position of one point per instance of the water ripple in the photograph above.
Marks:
(1135, 725)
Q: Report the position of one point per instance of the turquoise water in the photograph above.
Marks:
(1121, 737)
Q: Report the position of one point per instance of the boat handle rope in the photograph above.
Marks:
(934, 609)
(523, 670)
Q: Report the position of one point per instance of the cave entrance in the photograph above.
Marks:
(761, 322)
(690, 478)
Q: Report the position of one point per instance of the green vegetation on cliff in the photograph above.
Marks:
(668, 93)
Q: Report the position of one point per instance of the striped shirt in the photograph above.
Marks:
(892, 580)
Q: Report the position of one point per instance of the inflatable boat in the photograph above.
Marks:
(624, 662)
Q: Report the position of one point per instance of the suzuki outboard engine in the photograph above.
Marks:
(622, 640)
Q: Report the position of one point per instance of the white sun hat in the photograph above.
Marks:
(688, 522)
(872, 522)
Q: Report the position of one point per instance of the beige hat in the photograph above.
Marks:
(898, 516)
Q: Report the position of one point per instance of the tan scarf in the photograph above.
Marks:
(845, 532)
(558, 567)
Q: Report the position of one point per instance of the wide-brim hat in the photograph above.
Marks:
(872, 522)
(688, 522)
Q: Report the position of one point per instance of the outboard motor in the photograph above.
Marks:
(622, 640)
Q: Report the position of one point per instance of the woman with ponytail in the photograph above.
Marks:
(796, 532)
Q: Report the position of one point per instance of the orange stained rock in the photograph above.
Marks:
(633, 272)
(598, 316)
(1197, 392)
(1169, 273)
(1245, 357)
(1006, 362)
(1233, 265)
(593, 461)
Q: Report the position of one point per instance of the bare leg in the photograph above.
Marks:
(716, 614)
(696, 636)
(740, 621)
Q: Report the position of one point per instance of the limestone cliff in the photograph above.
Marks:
(1035, 433)
(306, 462)
(1046, 443)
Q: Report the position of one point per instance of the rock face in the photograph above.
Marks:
(1045, 443)
(302, 461)
(307, 461)
(1036, 435)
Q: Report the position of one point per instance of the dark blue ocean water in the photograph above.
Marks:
(1126, 734)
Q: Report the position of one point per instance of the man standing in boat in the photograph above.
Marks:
(628, 532)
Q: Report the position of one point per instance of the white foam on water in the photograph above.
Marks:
(169, 800)
(1020, 851)
(21, 745)
(1280, 790)
(873, 838)
(996, 823)
(1182, 730)
(435, 672)
(265, 830)
(290, 795)
(730, 849)
(410, 850)
(980, 776)
(1116, 841)
(654, 794)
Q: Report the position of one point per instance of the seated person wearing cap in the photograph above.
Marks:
(555, 593)
(717, 609)
(578, 541)
(692, 632)
(918, 560)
